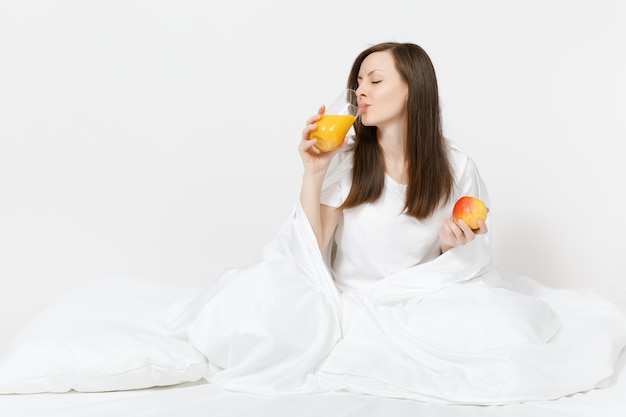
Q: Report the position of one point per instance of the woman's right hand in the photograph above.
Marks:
(314, 160)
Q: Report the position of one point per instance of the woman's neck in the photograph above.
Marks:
(391, 142)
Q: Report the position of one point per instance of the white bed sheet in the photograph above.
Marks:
(204, 399)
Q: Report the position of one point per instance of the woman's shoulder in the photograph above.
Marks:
(344, 157)
(340, 167)
(468, 180)
(461, 162)
(338, 179)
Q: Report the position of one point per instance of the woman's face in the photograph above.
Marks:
(382, 92)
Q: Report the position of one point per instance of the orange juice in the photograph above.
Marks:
(331, 129)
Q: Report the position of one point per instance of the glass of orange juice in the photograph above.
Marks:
(336, 121)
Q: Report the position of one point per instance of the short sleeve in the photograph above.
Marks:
(331, 196)
(337, 181)
(470, 182)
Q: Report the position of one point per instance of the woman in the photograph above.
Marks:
(371, 287)
(398, 140)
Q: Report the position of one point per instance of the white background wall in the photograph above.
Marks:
(158, 138)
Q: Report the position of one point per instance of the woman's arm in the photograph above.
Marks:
(452, 235)
(323, 219)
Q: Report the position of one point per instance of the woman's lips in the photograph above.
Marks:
(363, 108)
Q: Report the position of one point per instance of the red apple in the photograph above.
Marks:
(470, 210)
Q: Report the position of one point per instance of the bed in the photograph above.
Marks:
(199, 398)
(203, 399)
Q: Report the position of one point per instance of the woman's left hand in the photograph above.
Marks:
(452, 235)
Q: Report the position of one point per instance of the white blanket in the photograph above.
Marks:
(451, 330)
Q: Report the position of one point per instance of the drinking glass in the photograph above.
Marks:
(337, 120)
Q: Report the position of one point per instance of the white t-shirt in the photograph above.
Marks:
(375, 240)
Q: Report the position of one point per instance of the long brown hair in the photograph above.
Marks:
(430, 177)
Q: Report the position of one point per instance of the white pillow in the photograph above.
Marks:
(101, 334)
